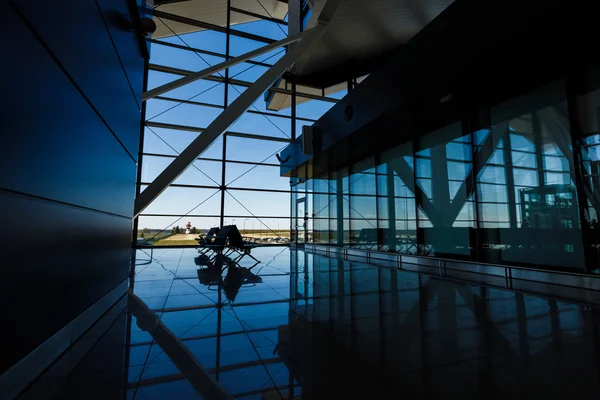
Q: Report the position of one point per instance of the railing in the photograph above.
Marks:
(510, 273)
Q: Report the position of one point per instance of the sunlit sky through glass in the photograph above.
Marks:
(272, 208)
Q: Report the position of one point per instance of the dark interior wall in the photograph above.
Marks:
(481, 52)
(72, 81)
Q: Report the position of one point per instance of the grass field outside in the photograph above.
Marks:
(182, 239)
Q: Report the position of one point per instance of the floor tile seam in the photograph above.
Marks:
(145, 266)
(275, 290)
(178, 337)
(272, 259)
(195, 294)
(287, 297)
(192, 286)
(192, 338)
(256, 351)
(154, 333)
(187, 308)
(242, 322)
(195, 288)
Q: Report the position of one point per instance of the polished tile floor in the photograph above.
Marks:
(306, 326)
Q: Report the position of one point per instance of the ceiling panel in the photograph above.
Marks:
(214, 12)
(362, 29)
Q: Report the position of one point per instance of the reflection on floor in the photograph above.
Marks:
(307, 326)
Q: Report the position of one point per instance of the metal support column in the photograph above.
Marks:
(391, 205)
(293, 111)
(339, 189)
(293, 194)
(440, 185)
(420, 200)
(225, 104)
(379, 237)
(510, 179)
(539, 144)
(589, 252)
(223, 171)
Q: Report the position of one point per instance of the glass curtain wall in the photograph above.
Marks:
(510, 193)
(236, 180)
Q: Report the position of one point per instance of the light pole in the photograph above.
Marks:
(245, 226)
(252, 228)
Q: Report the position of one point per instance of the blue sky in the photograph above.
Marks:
(208, 173)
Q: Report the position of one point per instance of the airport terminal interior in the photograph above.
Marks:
(300, 199)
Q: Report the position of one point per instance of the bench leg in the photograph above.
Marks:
(247, 253)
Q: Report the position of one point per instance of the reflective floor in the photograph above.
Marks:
(305, 326)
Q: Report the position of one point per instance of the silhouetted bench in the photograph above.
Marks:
(240, 245)
(211, 274)
(230, 238)
(208, 239)
(219, 241)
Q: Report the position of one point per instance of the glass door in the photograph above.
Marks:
(300, 223)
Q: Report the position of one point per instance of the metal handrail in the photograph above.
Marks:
(442, 265)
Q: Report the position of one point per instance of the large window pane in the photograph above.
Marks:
(255, 203)
(402, 227)
(202, 90)
(258, 124)
(313, 108)
(201, 173)
(255, 176)
(171, 231)
(362, 180)
(187, 60)
(443, 164)
(183, 200)
(241, 154)
(588, 104)
(239, 45)
(268, 231)
(246, 72)
(172, 142)
(184, 114)
(268, 29)
(206, 39)
(254, 150)
(536, 218)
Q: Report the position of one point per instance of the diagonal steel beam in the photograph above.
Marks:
(226, 118)
(161, 15)
(406, 174)
(218, 67)
(467, 188)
